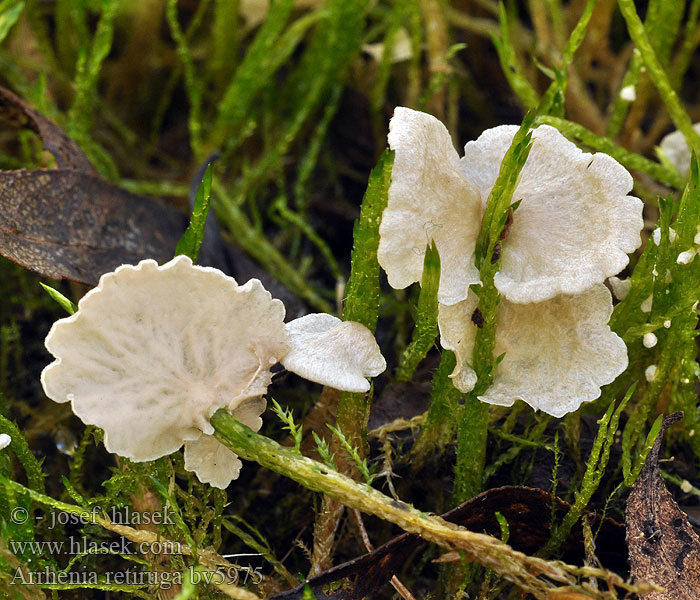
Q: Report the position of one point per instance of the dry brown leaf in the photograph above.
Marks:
(68, 224)
(14, 111)
(663, 547)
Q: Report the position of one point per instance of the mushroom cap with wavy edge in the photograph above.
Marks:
(340, 354)
(429, 199)
(575, 224)
(558, 353)
(677, 151)
(213, 462)
(154, 351)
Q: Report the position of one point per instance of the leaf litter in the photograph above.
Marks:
(663, 547)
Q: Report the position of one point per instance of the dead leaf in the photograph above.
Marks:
(68, 224)
(527, 510)
(14, 111)
(663, 547)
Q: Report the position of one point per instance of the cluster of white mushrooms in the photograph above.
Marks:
(573, 229)
(154, 351)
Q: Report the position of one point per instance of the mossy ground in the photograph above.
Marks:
(297, 104)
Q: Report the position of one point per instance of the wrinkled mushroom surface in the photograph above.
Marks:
(558, 353)
(153, 351)
(213, 462)
(574, 227)
(340, 354)
(575, 224)
(429, 199)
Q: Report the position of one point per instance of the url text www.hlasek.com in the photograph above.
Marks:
(82, 545)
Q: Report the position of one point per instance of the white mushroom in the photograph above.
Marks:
(650, 373)
(154, 351)
(675, 148)
(620, 287)
(649, 340)
(573, 229)
(656, 235)
(401, 49)
(558, 353)
(213, 462)
(628, 93)
(686, 257)
(429, 199)
(340, 354)
(575, 224)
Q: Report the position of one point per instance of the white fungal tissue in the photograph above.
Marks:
(154, 351)
(650, 373)
(573, 229)
(649, 340)
(656, 235)
(676, 150)
(628, 93)
(620, 287)
(686, 257)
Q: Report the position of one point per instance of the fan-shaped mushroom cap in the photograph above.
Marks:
(213, 462)
(339, 354)
(677, 151)
(429, 199)
(573, 229)
(154, 351)
(575, 224)
(558, 353)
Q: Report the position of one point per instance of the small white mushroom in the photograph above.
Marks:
(154, 351)
(5, 440)
(676, 150)
(558, 353)
(650, 373)
(645, 306)
(656, 235)
(401, 50)
(574, 227)
(686, 257)
(667, 323)
(430, 199)
(649, 340)
(339, 354)
(620, 287)
(576, 223)
(628, 93)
